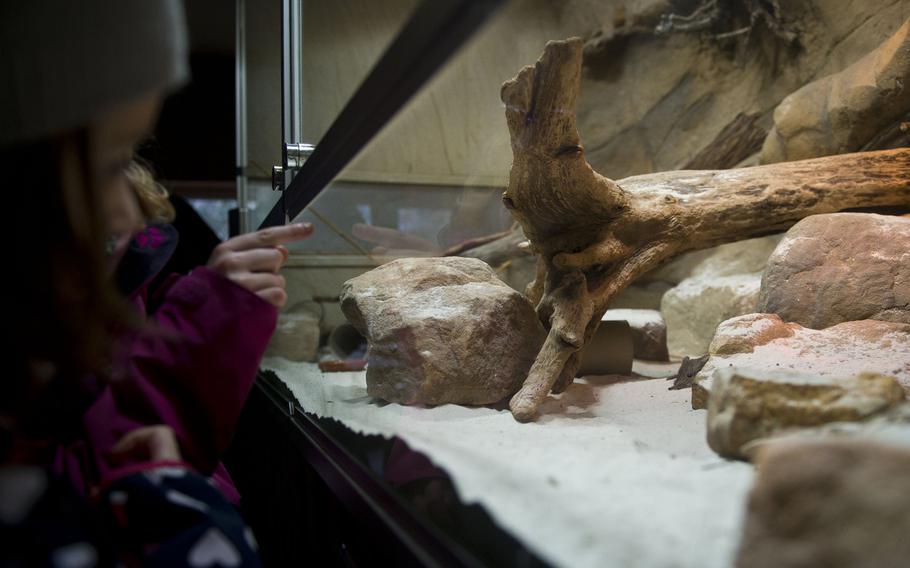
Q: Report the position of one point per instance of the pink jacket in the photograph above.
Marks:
(191, 368)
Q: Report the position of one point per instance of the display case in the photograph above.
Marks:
(724, 123)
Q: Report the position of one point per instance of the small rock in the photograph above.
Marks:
(649, 332)
(442, 330)
(830, 504)
(695, 307)
(296, 336)
(840, 267)
(749, 404)
(764, 341)
(342, 365)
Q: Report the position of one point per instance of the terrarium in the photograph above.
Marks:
(634, 273)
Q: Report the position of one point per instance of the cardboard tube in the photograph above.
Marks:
(609, 352)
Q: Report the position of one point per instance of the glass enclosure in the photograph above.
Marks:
(683, 89)
(433, 177)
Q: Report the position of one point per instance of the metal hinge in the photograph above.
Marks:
(294, 157)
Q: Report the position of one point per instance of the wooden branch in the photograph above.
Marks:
(594, 236)
(894, 135)
(496, 252)
(736, 142)
(547, 367)
(465, 247)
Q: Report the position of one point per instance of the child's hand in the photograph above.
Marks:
(150, 443)
(253, 260)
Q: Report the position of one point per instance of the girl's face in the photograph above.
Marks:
(113, 141)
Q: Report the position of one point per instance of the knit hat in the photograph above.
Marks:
(63, 63)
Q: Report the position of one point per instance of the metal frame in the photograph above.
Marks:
(291, 43)
(433, 33)
(293, 152)
(240, 117)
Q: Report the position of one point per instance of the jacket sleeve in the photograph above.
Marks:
(200, 356)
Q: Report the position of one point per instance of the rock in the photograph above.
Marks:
(840, 267)
(649, 332)
(519, 273)
(296, 336)
(641, 296)
(671, 96)
(832, 504)
(713, 285)
(681, 267)
(749, 404)
(841, 112)
(764, 341)
(695, 307)
(891, 427)
(741, 257)
(442, 330)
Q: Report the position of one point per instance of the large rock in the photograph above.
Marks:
(891, 427)
(670, 96)
(695, 307)
(841, 112)
(840, 267)
(649, 332)
(442, 330)
(764, 341)
(833, 504)
(749, 404)
(741, 257)
(713, 286)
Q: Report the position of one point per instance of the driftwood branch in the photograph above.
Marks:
(464, 247)
(497, 250)
(736, 142)
(594, 236)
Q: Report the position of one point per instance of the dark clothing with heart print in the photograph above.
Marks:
(191, 367)
(163, 515)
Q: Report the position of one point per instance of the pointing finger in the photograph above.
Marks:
(271, 237)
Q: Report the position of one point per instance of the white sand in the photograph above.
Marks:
(636, 318)
(616, 472)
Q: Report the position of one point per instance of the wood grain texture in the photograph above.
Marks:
(594, 236)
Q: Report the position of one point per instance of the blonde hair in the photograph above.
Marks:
(151, 195)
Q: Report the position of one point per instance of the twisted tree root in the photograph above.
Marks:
(594, 236)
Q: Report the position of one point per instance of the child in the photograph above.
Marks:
(98, 439)
(205, 376)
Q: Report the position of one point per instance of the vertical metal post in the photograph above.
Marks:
(297, 69)
(435, 30)
(291, 103)
(240, 117)
(286, 80)
(290, 75)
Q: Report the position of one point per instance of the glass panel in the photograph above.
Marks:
(341, 42)
(681, 85)
(432, 178)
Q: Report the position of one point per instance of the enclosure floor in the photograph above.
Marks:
(615, 472)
